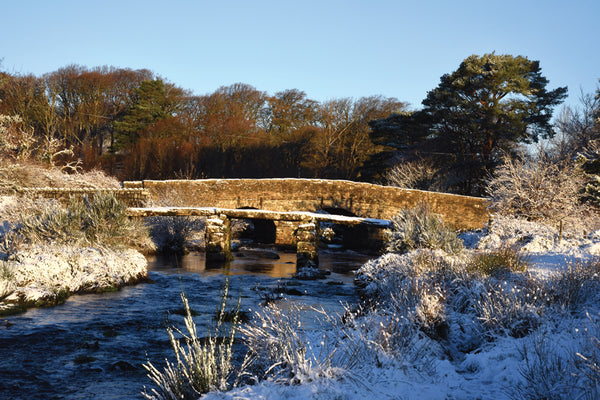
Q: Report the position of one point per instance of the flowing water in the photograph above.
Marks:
(94, 345)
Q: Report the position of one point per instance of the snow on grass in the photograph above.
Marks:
(43, 275)
(513, 335)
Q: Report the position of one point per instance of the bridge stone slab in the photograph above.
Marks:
(291, 194)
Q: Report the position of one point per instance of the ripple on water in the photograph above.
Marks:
(94, 345)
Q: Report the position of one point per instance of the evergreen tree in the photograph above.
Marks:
(150, 105)
(486, 107)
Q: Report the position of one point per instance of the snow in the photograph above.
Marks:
(425, 368)
(500, 368)
(41, 274)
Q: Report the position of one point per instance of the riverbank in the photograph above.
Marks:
(435, 329)
(46, 275)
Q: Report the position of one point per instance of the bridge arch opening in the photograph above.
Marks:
(261, 231)
(340, 235)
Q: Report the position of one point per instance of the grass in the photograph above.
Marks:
(498, 262)
(99, 220)
(420, 227)
(202, 364)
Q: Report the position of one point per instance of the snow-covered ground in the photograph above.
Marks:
(546, 359)
(43, 275)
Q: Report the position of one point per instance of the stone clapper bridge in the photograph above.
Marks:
(298, 207)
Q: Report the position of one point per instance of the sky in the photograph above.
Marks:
(329, 49)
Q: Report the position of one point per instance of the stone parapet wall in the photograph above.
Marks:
(291, 194)
(132, 197)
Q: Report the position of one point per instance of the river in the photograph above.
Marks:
(94, 345)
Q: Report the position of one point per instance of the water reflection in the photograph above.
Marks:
(270, 262)
(94, 345)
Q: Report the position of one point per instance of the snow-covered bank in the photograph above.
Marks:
(437, 330)
(46, 275)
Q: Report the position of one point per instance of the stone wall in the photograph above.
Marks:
(290, 194)
(133, 197)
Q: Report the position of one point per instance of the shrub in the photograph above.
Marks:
(420, 227)
(576, 285)
(280, 347)
(101, 220)
(512, 308)
(538, 190)
(498, 262)
(546, 372)
(588, 359)
(7, 275)
(419, 174)
(202, 365)
(173, 234)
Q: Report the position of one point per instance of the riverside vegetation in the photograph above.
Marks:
(49, 251)
(436, 302)
(434, 297)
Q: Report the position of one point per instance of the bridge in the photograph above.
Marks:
(306, 234)
(296, 208)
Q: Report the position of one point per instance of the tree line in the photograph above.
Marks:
(136, 125)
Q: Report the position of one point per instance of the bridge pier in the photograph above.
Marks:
(307, 245)
(218, 238)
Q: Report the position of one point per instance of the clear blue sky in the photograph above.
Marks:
(327, 48)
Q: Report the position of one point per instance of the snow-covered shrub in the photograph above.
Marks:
(588, 358)
(547, 371)
(512, 308)
(413, 285)
(7, 276)
(575, 285)
(380, 278)
(379, 334)
(173, 234)
(419, 174)
(281, 348)
(526, 236)
(420, 227)
(498, 262)
(202, 365)
(101, 220)
(538, 190)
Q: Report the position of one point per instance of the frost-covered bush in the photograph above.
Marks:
(419, 174)
(501, 261)
(173, 234)
(413, 285)
(379, 334)
(281, 348)
(512, 308)
(547, 371)
(420, 227)
(203, 364)
(7, 277)
(538, 190)
(442, 296)
(588, 358)
(101, 220)
(576, 285)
